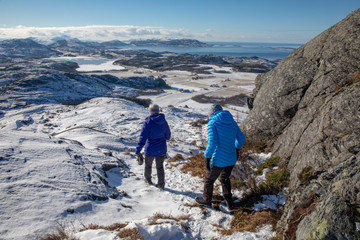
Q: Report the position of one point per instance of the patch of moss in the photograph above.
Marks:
(269, 163)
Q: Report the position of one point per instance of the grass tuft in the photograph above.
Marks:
(130, 234)
(113, 227)
(196, 166)
(124, 233)
(251, 221)
(158, 216)
(60, 234)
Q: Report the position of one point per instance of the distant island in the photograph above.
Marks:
(171, 42)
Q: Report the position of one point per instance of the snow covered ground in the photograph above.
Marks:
(91, 64)
(74, 165)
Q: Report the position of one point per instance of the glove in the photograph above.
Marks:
(207, 163)
(237, 153)
(140, 158)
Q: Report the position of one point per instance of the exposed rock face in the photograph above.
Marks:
(308, 107)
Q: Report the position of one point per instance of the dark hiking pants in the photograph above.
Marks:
(210, 178)
(159, 168)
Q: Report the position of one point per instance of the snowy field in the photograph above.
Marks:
(74, 165)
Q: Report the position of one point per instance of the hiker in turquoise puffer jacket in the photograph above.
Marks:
(224, 142)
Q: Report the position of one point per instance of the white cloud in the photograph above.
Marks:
(97, 32)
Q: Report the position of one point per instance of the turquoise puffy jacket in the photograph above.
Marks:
(224, 137)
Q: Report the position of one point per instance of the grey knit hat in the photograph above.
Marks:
(215, 108)
(154, 108)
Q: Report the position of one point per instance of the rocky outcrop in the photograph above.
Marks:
(308, 109)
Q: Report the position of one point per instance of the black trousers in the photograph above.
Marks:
(159, 168)
(210, 178)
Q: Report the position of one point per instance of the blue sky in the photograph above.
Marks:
(222, 20)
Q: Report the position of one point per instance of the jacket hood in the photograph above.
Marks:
(224, 117)
(157, 118)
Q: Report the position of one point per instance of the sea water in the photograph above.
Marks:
(270, 51)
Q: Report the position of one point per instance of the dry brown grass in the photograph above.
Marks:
(158, 216)
(113, 227)
(175, 161)
(352, 79)
(60, 234)
(130, 234)
(204, 210)
(176, 158)
(196, 166)
(245, 220)
(126, 152)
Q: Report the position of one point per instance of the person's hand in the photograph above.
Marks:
(237, 153)
(140, 158)
(207, 163)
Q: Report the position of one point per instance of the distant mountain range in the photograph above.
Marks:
(29, 48)
(173, 43)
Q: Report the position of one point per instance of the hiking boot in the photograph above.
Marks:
(148, 181)
(160, 186)
(230, 205)
(203, 202)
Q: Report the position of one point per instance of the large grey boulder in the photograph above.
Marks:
(308, 109)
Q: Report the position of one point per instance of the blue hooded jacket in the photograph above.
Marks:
(154, 133)
(224, 137)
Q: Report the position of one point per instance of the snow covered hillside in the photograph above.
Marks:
(74, 165)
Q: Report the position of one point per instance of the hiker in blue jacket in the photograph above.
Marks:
(224, 142)
(154, 133)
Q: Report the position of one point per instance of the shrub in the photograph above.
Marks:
(260, 146)
(269, 163)
(276, 181)
(306, 175)
(237, 183)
